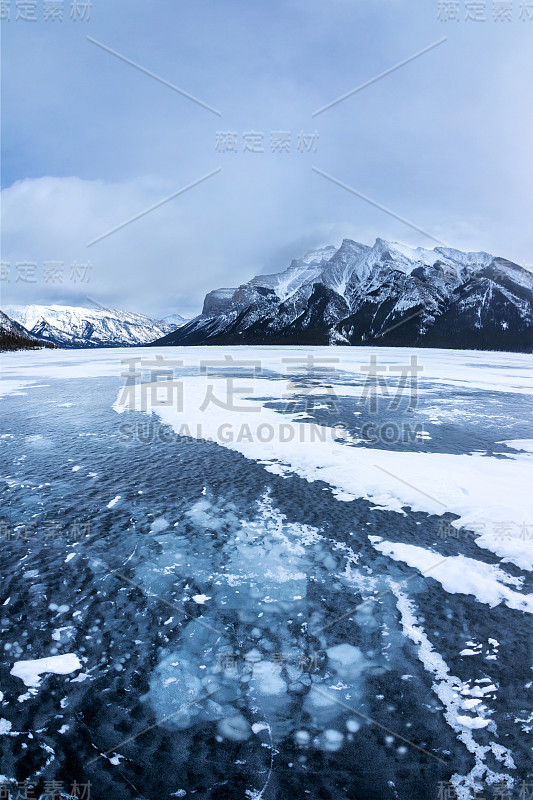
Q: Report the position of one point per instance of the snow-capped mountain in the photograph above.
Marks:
(175, 320)
(386, 294)
(14, 337)
(73, 326)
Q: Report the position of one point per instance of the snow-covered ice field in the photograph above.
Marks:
(269, 576)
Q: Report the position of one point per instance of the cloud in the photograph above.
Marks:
(53, 219)
(96, 141)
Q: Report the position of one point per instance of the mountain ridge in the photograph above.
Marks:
(384, 294)
(80, 327)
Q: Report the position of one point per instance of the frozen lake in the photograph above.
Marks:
(267, 573)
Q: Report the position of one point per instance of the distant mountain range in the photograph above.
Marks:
(385, 294)
(73, 326)
(175, 320)
(14, 337)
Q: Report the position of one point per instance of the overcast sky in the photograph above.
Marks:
(89, 141)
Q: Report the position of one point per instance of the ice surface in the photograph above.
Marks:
(267, 679)
(330, 740)
(347, 661)
(445, 685)
(478, 489)
(230, 598)
(158, 525)
(234, 727)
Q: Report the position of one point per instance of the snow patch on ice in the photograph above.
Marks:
(30, 671)
(200, 599)
(459, 574)
(472, 722)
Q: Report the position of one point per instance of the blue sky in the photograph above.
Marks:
(88, 141)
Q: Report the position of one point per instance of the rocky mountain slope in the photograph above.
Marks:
(386, 294)
(14, 337)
